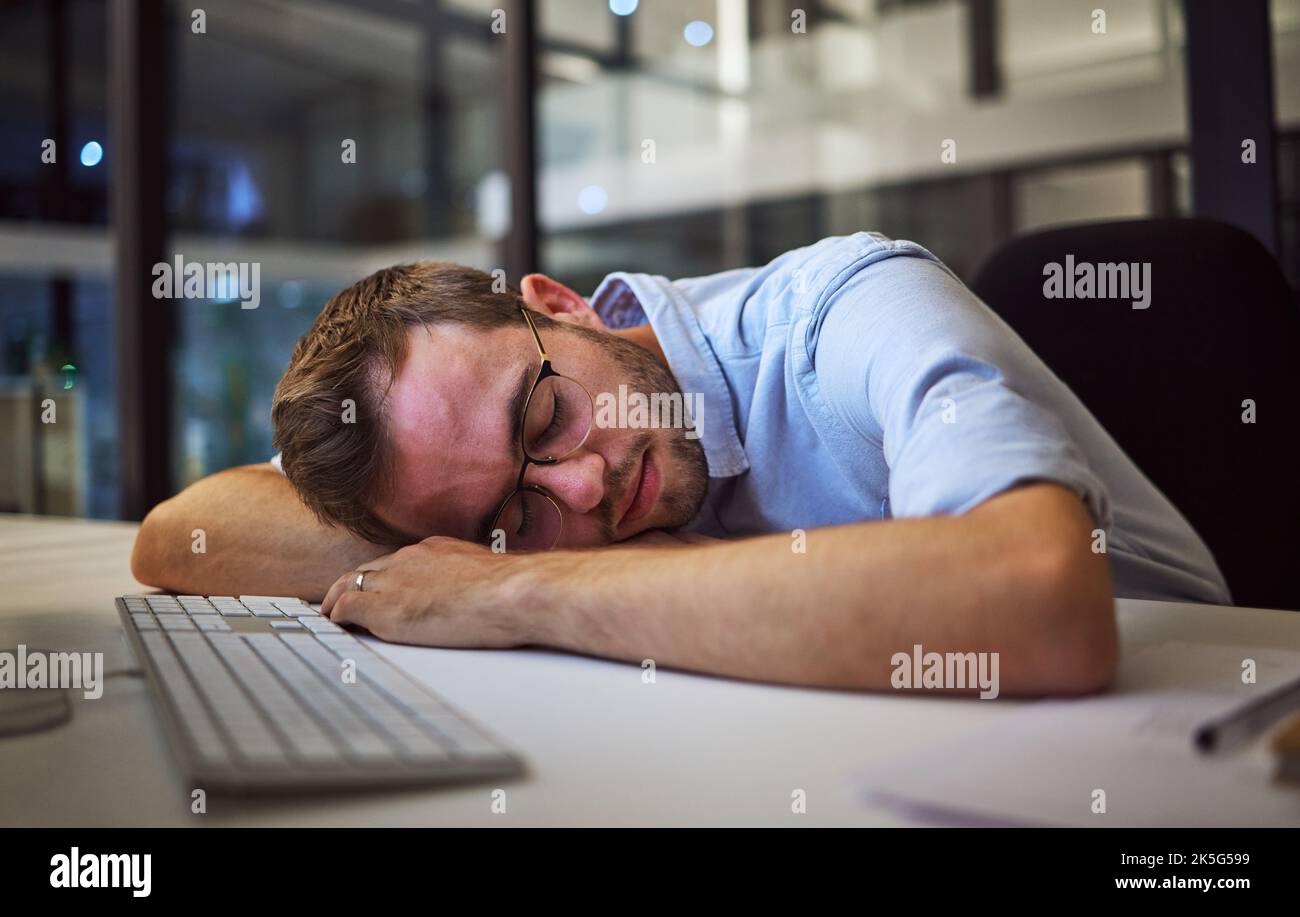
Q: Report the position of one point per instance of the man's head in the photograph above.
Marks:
(398, 417)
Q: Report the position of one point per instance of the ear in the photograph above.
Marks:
(555, 300)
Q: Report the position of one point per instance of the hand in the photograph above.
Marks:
(440, 592)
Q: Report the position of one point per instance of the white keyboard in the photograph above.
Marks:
(264, 693)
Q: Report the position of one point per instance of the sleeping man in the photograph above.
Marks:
(787, 473)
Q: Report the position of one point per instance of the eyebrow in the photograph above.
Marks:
(514, 416)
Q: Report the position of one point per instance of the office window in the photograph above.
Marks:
(1111, 190)
(960, 219)
(681, 138)
(1285, 20)
(778, 130)
(318, 140)
(57, 378)
(562, 22)
(1288, 161)
(1076, 49)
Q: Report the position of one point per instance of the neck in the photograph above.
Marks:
(644, 336)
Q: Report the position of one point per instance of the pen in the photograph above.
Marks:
(1230, 729)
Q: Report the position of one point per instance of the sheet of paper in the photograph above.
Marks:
(1047, 761)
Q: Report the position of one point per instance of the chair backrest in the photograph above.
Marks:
(1175, 382)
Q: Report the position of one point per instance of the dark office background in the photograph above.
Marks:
(581, 142)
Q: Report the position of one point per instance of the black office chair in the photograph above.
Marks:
(1169, 381)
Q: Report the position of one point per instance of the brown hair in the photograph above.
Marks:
(353, 351)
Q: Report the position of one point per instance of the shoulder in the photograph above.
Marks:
(822, 269)
(738, 308)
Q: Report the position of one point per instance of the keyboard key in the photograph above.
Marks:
(286, 625)
(400, 689)
(236, 612)
(268, 612)
(359, 738)
(193, 716)
(469, 742)
(415, 742)
(240, 720)
(170, 623)
(343, 643)
(212, 624)
(306, 739)
(267, 599)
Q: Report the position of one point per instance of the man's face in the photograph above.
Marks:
(453, 416)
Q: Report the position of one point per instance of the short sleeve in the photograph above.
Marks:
(912, 360)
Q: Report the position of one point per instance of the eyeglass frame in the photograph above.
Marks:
(546, 371)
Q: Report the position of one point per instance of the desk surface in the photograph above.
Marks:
(603, 748)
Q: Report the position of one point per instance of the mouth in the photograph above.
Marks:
(646, 491)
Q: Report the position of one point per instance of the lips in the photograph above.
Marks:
(647, 490)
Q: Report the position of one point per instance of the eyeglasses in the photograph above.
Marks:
(557, 420)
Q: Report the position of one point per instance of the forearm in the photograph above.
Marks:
(836, 614)
(243, 531)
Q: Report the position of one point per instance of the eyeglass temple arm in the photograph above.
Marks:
(533, 328)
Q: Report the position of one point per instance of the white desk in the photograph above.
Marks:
(602, 747)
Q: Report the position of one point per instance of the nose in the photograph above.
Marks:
(577, 481)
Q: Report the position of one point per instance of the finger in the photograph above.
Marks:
(338, 587)
(355, 608)
(348, 581)
(379, 563)
(345, 584)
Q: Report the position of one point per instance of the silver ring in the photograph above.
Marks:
(361, 581)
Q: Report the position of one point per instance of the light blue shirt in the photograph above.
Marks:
(858, 379)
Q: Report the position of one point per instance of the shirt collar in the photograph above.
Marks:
(626, 300)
